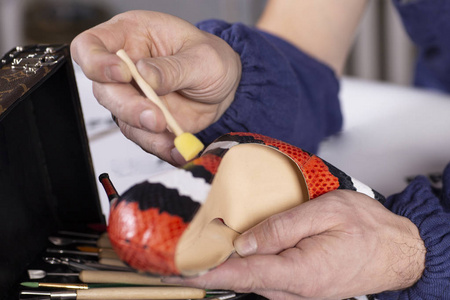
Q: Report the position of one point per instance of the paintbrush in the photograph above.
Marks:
(39, 274)
(90, 276)
(124, 293)
(102, 252)
(75, 286)
(104, 259)
(109, 253)
(86, 286)
(79, 264)
(64, 251)
(102, 242)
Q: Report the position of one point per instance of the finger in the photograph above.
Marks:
(129, 106)
(163, 74)
(250, 274)
(160, 144)
(278, 232)
(307, 272)
(96, 61)
(187, 70)
(286, 229)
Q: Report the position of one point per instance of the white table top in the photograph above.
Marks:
(390, 133)
(112, 153)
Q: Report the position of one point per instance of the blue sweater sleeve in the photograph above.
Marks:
(429, 210)
(283, 92)
(428, 24)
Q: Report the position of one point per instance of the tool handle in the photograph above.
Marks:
(78, 266)
(61, 274)
(150, 93)
(112, 262)
(103, 267)
(118, 277)
(103, 241)
(107, 253)
(141, 293)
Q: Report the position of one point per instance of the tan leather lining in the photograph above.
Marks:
(253, 182)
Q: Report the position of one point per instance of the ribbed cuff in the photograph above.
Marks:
(283, 92)
(430, 214)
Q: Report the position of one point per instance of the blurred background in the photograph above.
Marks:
(382, 51)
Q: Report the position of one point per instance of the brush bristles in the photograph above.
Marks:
(30, 284)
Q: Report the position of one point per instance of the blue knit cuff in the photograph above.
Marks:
(283, 93)
(429, 212)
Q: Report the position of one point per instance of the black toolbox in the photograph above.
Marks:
(47, 181)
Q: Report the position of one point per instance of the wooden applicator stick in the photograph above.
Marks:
(89, 276)
(124, 293)
(186, 143)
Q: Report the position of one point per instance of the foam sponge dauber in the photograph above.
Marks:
(186, 143)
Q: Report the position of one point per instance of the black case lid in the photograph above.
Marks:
(47, 180)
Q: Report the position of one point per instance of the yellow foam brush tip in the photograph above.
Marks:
(188, 145)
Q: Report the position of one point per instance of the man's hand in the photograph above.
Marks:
(339, 245)
(195, 72)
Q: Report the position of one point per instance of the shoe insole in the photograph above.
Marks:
(253, 182)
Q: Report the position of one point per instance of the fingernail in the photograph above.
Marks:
(245, 244)
(116, 73)
(148, 120)
(177, 157)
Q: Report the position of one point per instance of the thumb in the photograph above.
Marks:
(269, 237)
(97, 63)
(282, 231)
(167, 74)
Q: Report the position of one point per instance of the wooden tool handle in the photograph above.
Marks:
(107, 253)
(150, 93)
(103, 241)
(141, 293)
(112, 262)
(89, 276)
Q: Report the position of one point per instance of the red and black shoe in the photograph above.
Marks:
(184, 221)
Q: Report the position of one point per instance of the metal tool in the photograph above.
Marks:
(36, 298)
(39, 274)
(68, 262)
(101, 253)
(63, 251)
(123, 293)
(80, 234)
(61, 241)
(228, 295)
(80, 264)
(94, 276)
(135, 293)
